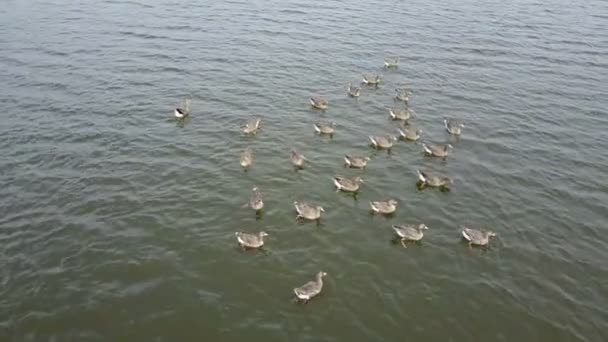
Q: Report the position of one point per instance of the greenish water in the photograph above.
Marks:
(117, 223)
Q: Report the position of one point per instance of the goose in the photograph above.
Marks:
(310, 289)
(246, 158)
(433, 180)
(353, 91)
(402, 94)
(318, 102)
(256, 200)
(252, 126)
(400, 114)
(347, 184)
(453, 126)
(382, 142)
(409, 233)
(247, 240)
(391, 61)
(356, 162)
(297, 159)
(371, 79)
(384, 207)
(477, 237)
(437, 150)
(324, 127)
(308, 211)
(410, 133)
(182, 111)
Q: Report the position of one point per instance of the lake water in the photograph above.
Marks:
(117, 222)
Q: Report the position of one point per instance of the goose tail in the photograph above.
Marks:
(421, 176)
(426, 149)
(465, 234)
(374, 206)
(337, 182)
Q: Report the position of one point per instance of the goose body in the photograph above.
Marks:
(371, 79)
(433, 180)
(410, 133)
(384, 207)
(252, 126)
(248, 240)
(381, 141)
(324, 127)
(347, 184)
(318, 102)
(246, 158)
(477, 237)
(453, 126)
(297, 159)
(403, 114)
(308, 211)
(256, 201)
(437, 150)
(353, 91)
(311, 288)
(409, 233)
(356, 162)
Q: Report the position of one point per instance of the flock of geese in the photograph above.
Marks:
(312, 212)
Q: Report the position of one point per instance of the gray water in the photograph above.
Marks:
(117, 222)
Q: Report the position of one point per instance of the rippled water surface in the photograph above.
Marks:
(117, 222)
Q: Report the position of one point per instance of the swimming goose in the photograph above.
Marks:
(384, 207)
(453, 126)
(297, 159)
(347, 184)
(183, 110)
(308, 211)
(252, 126)
(256, 201)
(403, 114)
(410, 133)
(246, 158)
(324, 127)
(385, 142)
(402, 94)
(391, 61)
(437, 150)
(310, 289)
(433, 180)
(356, 162)
(353, 91)
(318, 102)
(247, 240)
(477, 237)
(409, 233)
(371, 79)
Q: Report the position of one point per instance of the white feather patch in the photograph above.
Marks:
(240, 240)
(421, 176)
